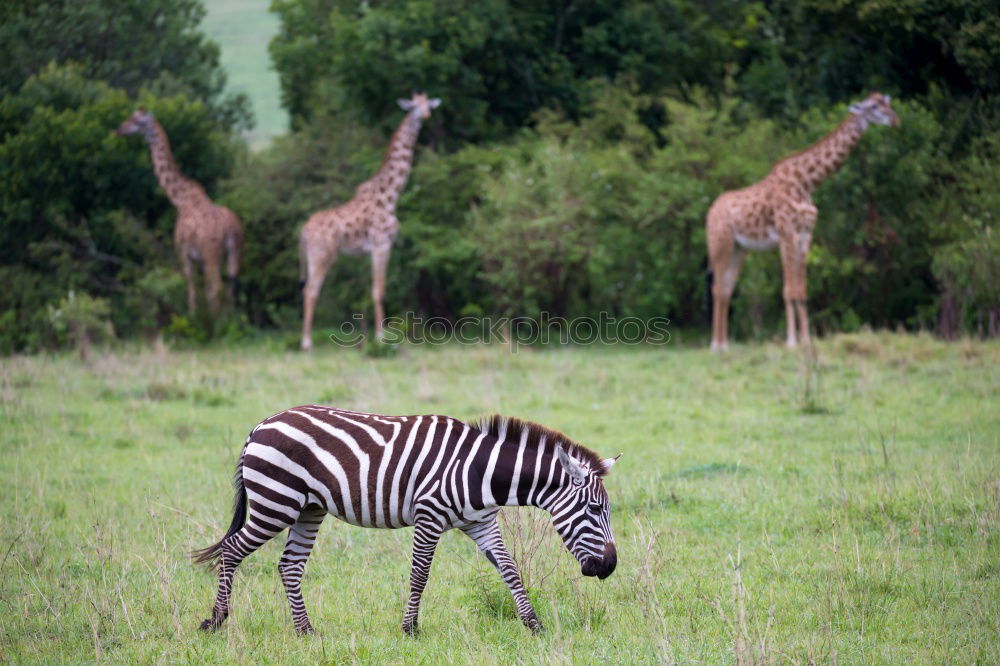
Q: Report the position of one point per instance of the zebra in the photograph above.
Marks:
(430, 472)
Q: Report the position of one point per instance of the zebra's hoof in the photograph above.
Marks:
(536, 628)
(209, 626)
(306, 630)
(411, 629)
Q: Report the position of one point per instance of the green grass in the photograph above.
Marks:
(861, 524)
(243, 30)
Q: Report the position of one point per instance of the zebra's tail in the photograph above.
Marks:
(210, 555)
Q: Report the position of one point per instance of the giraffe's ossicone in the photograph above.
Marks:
(778, 211)
(365, 224)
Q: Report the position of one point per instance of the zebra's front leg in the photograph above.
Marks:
(426, 535)
(487, 537)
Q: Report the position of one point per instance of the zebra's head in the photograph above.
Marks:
(582, 514)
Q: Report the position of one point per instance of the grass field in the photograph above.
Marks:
(243, 30)
(767, 507)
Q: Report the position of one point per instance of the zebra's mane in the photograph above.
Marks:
(512, 429)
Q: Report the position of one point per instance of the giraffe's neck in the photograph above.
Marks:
(811, 166)
(181, 191)
(395, 169)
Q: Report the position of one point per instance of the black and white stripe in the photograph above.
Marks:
(430, 472)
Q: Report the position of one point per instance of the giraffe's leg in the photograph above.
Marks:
(789, 269)
(729, 276)
(234, 248)
(292, 564)
(800, 289)
(426, 535)
(487, 537)
(719, 261)
(800, 307)
(790, 339)
(257, 531)
(716, 312)
(726, 260)
(720, 317)
(187, 267)
(213, 283)
(380, 263)
(317, 267)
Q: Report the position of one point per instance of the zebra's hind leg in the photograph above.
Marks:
(291, 566)
(234, 549)
(487, 537)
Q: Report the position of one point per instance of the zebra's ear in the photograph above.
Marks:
(572, 467)
(608, 463)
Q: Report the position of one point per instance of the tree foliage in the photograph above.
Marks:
(496, 62)
(80, 207)
(132, 45)
(602, 214)
(604, 219)
(824, 51)
(569, 168)
(717, 90)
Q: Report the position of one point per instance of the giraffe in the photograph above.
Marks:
(779, 211)
(205, 232)
(365, 224)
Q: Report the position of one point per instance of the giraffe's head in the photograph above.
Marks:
(140, 122)
(875, 109)
(582, 513)
(420, 103)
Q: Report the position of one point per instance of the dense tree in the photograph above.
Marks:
(128, 44)
(79, 207)
(569, 169)
(500, 64)
(824, 51)
(302, 53)
(495, 62)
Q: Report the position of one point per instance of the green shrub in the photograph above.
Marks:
(969, 273)
(596, 216)
(79, 320)
(967, 267)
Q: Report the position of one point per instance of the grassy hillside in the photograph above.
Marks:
(243, 29)
(765, 506)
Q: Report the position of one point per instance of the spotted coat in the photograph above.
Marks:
(366, 224)
(778, 211)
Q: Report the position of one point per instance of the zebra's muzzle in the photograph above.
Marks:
(601, 567)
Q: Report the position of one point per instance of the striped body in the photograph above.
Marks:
(372, 471)
(430, 472)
